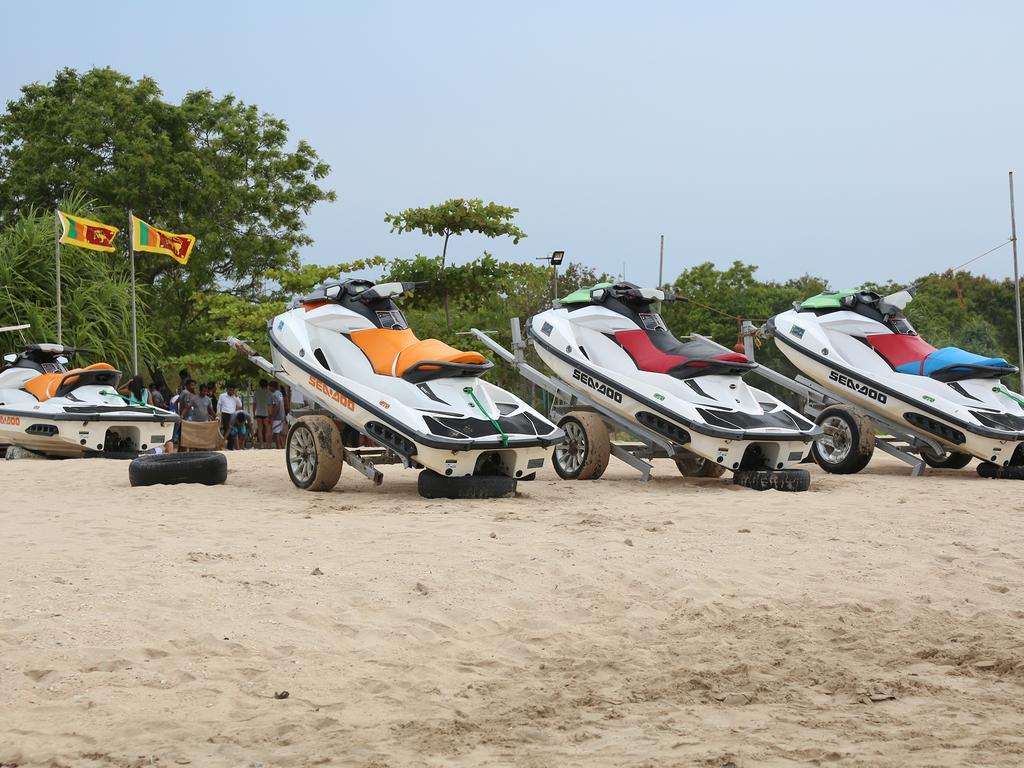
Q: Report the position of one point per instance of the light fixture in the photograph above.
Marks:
(556, 258)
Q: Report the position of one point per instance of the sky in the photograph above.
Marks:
(854, 141)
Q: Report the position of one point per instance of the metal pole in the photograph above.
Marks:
(555, 297)
(1016, 285)
(56, 248)
(135, 337)
(661, 262)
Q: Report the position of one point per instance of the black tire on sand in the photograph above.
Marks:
(203, 467)
(432, 485)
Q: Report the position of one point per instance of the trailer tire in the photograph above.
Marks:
(851, 443)
(996, 472)
(786, 480)
(951, 461)
(313, 453)
(202, 467)
(585, 452)
(432, 485)
(692, 465)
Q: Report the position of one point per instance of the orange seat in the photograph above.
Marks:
(45, 385)
(392, 352)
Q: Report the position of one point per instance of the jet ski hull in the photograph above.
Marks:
(437, 424)
(828, 352)
(765, 434)
(56, 432)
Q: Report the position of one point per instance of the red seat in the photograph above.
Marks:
(899, 349)
(649, 358)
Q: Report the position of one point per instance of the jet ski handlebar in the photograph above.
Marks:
(390, 290)
(632, 293)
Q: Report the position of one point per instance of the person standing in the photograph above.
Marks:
(277, 414)
(228, 404)
(204, 408)
(261, 410)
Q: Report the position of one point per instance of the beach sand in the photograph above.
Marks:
(877, 620)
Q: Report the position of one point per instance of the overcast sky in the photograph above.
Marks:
(855, 141)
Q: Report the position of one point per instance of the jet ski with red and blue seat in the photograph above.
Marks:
(861, 346)
(610, 343)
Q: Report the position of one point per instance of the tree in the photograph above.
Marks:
(456, 217)
(215, 167)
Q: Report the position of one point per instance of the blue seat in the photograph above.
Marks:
(954, 363)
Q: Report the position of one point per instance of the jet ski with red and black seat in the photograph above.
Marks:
(861, 346)
(348, 347)
(610, 343)
(49, 409)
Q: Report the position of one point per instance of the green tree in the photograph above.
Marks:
(211, 166)
(457, 217)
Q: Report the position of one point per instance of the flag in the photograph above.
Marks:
(153, 240)
(86, 234)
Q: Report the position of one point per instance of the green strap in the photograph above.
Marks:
(497, 426)
(1010, 394)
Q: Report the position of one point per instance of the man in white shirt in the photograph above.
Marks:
(228, 404)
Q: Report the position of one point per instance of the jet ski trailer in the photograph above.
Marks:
(689, 403)
(378, 395)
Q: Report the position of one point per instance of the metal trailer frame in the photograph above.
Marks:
(900, 441)
(649, 444)
(363, 459)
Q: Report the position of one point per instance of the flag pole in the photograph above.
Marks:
(56, 248)
(135, 337)
(1016, 286)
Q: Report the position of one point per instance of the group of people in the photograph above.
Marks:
(200, 402)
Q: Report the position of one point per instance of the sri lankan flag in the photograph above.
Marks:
(153, 240)
(85, 233)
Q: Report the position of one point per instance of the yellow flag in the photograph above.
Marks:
(86, 233)
(153, 240)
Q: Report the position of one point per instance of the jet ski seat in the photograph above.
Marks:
(47, 385)
(915, 356)
(397, 352)
(661, 352)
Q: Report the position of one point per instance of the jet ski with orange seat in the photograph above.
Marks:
(49, 409)
(860, 346)
(609, 344)
(381, 395)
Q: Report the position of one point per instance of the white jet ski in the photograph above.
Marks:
(349, 349)
(611, 344)
(861, 346)
(48, 409)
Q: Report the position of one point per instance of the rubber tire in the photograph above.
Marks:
(692, 465)
(432, 485)
(862, 435)
(328, 457)
(596, 451)
(996, 472)
(785, 480)
(952, 460)
(202, 467)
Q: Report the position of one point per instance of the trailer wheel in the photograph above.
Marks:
(951, 461)
(996, 472)
(847, 444)
(584, 453)
(787, 480)
(432, 485)
(692, 465)
(313, 453)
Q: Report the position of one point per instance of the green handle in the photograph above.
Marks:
(497, 426)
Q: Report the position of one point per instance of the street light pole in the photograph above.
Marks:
(1016, 286)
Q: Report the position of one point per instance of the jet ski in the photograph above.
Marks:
(349, 349)
(860, 346)
(609, 343)
(47, 408)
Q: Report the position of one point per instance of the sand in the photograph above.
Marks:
(877, 620)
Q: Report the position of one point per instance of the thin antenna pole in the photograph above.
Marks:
(661, 262)
(1016, 286)
(135, 335)
(56, 248)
